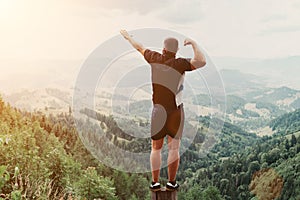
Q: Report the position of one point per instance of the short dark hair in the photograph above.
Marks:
(171, 44)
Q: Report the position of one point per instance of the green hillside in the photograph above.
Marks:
(278, 94)
(233, 174)
(41, 157)
(287, 123)
(227, 171)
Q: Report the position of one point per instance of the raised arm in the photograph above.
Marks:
(199, 59)
(138, 46)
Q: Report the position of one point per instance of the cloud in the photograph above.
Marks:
(174, 11)
(183, 12)
(281, 29)
(275, 17)
(280, 18)
(72, 28)
(139, 6)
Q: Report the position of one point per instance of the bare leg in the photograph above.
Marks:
(173, 157)
(155, 158)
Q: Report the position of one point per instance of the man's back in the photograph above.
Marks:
(166, 73)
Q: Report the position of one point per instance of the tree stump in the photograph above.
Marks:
(163, 194)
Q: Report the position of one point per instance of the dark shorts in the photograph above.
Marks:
(167, 122)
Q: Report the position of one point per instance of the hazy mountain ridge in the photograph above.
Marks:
(277, 72)
(48, 99)
(249, 102)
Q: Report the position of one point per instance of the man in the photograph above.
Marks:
(167, 73)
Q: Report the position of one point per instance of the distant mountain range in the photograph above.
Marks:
(277, 72)
(47, 100)
(252, 108)
(253, 91)
(38, 74)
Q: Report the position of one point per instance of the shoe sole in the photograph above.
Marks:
(171, 190)
(155, 190)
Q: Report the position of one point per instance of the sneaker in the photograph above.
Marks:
(155, 186)
(171, 186)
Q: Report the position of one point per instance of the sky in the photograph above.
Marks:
(37, 31)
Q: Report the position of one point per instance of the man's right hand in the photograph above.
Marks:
(134, 43)
(125, 34)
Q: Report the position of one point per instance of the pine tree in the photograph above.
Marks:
(293, 140)
(287, 144)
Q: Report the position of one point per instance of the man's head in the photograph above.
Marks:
(171, 45)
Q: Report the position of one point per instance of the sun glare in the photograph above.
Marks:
(7, 8)
(6, 5)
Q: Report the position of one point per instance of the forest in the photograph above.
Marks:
(42, 157)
